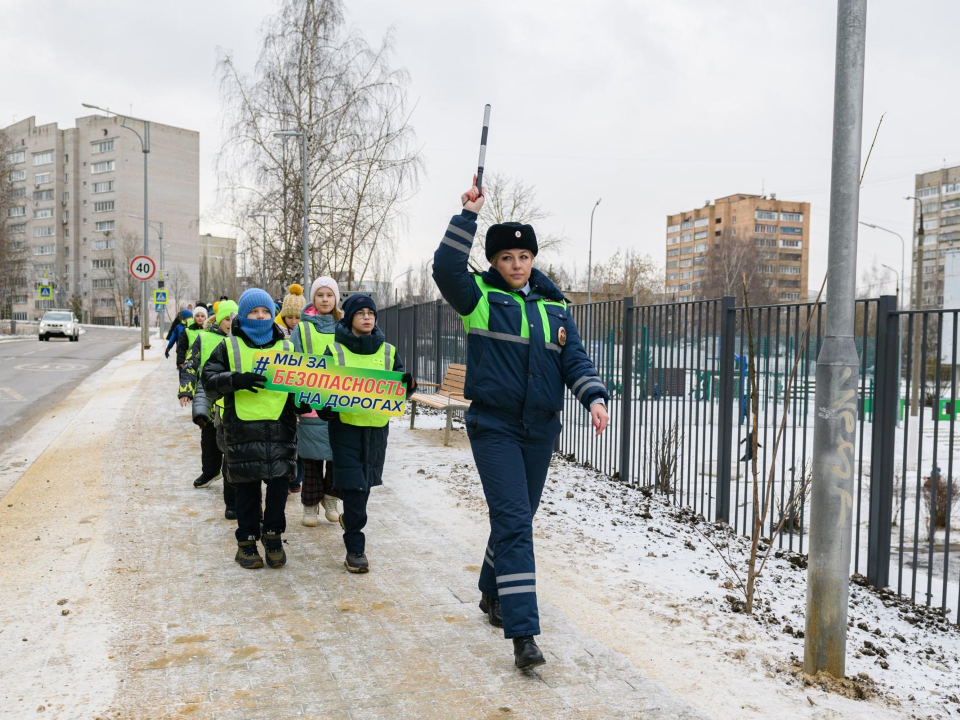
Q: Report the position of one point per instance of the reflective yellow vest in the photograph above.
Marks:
(380, 360)
(314, 341)
(478, 321)
(263, 404)
(192, 334)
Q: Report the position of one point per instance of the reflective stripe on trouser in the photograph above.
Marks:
(513, 470)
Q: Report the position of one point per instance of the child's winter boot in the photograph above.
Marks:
(311, 515)
(247, 554)
(273, 545)
(330, 510)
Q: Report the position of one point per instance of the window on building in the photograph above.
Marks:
(102, 283)
(17, 211)
(764, 215)
(43, 158)
(18, 193)
(41, 178)
(768, 269)
(686, 263)
(791, 231)
(673, 253)
(929, 254)
(790, 269)
(102, 167)
(701, 222)
(791, 257)
(686, 274)
(105, 225)
(44, 249)
(46, 231)
(765, 229)
(951, 220)
(103, 244)
(928, 191)
(765, 242)
(930, 239)
(701, 235)
(43, 268)
(43, 213)
(18, 175)
(684, 288)
(102, 146)
(686, 225)
(18, 228)
(686, 238)
(791, 243)
(928, 224)
(16, 157)
(103, 206)
(791, 217)
(950, 204)
(700, 247)
(673, 228)
(700, 260)
(103, 302)
(671, 276)
(767, 255)
(790, 296)
(102, 264)
(103, 187)
(951, 188)
(928, 208)
(42, 195)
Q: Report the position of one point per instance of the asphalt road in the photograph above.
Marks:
(36, 375)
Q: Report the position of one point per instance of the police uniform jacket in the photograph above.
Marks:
(254, 450)
(521, 350)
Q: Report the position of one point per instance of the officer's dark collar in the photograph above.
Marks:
(539, 283)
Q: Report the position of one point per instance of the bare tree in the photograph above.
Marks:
(630, 274)
(731, 260)
(317, 77)
(13, 261)
(511, 200)
(178, 283)
(124, 285)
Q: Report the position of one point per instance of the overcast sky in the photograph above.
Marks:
(653, 106)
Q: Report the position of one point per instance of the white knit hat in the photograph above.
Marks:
(327, 282)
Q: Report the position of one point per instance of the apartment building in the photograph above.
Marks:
(937, 199)
(778, 231)
(77, 192)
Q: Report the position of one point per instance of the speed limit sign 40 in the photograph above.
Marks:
(143, 267)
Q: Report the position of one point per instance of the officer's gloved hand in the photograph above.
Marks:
(166, 353)
(326, 413)
(409, 382)
(248, 381)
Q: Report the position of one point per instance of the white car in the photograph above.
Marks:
(62, 323)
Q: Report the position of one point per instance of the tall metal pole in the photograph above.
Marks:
(161, 315)
(590, 275)
(306, 214)
(831, 509)
(144, 322)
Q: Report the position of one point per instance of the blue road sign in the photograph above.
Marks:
(158, 308)
(45, 292)
(160, 297)
(128, 302)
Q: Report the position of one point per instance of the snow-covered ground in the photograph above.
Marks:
(653, 566)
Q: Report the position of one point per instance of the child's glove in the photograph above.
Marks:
(409, 382)
(248, 381)
(326, 413)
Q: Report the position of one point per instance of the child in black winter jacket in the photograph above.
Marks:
(358, 440)
(259, 426)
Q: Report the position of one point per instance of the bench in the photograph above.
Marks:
(448, 397)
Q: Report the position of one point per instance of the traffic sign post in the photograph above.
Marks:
(159, 297)
(142, 267)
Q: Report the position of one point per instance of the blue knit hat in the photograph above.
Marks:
(186, 315)
(254, 298)
(260, 331)
(357, 302)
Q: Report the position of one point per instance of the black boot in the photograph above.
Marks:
(273, 545)
(526, 653)
(356, 562)
(491, 606)
(230, 513)
(247, 554)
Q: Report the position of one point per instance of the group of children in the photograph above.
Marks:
(255, 436)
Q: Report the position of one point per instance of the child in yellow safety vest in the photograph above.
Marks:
(259, 428)
(359, 440)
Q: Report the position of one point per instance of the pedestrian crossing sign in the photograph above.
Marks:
(160, 297)
(45, 292)
(158, 309)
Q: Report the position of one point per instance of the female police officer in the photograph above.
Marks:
(522, 348)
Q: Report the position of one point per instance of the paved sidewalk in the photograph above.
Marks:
(193, 635)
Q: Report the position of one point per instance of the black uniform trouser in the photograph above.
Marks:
(355, 519)
(248, 508)
(211, 456)
(513, 460)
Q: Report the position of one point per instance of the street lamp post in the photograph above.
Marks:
(590, 275)
(145, 146)
(396, 291)
(161, 315)
(903, 254)
(918, 362)
(306, 202)
(263, 269)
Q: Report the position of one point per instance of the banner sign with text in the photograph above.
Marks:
(316, 381)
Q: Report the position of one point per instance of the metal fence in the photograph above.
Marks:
(681, 414)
